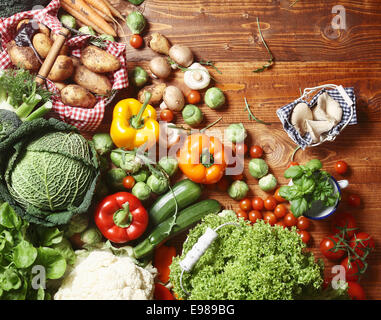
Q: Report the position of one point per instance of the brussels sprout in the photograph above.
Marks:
(236, 133)
(127, 162)
(268, 183)
(158, 185)
(258, 168)
(192, 115)
(68, 21)
(238, 190)
(108, 37)
(91, 236)
(169, 165)
(114, 178)
(142, 175)
(103, 143)
(138, 76)
(142, 191)
(214, 98)
(77, 224)
(87, 30)
(136, 22)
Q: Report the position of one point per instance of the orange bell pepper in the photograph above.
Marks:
(202, 159)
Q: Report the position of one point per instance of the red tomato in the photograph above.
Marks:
(256, 151)
(343, 221)
(341, 167)
(289, 220)
(166, 115)
(240, 148)
(305, 235)
(278, 197)
(327, 246)
(354, 200)
(270, 203)
(303, 223)
(193, 97)
(281, 224)
(254, 215)
(280, 211)
(128, 182)
(362, 243)
(223, 184)
(245, 204)
(270, 217)
(242, 214)
(257, 203)
(136, 41)
(355, 291)
(292, 163)
(352, 268)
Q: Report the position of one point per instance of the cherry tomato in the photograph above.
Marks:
(352, 269)
(289, 220)
(355, 291)
(257, 203)
(270, 203)
(193, 97)
(305, 235)
(278, 197)
(240, 148)
(238, 177)
(341, 167)
(292, 163)
(281, 224)
(136, 41)
(166, 115)
(270, 217)
(254, 215)
(303, 223)
(256, 151)
(128, 182)
(362, 243)
(346, 221)
(354, 200)
(327, 245)
(245, 204)
(242, 214)
(280, 211)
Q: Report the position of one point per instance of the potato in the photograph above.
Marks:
(60, 85)
(98, 60)
(42, 43)
(42, 29)
(77, 96)
(157, 91)
(23, 57)
(159, 43)
(62, 69)
(96, 83)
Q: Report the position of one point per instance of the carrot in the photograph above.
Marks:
(100, 6)
(103, 15)
(82, 20)
(162, 261)
(162, 293)
(114, 11)
(82, 7)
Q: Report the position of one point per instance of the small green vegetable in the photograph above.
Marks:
(258, 168)
(142, 175)
(114, 178)
(91, 236)
(214, 98)
(136, 22)
(138, 76)
(136, 2)
(77, 224)
(126, 161)
(9, 122)
(192, 115)
(169, 164)
(268, 183)
(158, 185)
(107, 37)
(236, 133)
(87, 30)
(68, 21)
(142, 191)
(103, 143)
(238, 190)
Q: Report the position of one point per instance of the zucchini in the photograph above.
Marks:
(186, 191)
(185, 219)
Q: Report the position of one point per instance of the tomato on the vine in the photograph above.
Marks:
(352, 268)
(303, 223)
(128, 182)
(355, 291)
(270, 203)
(362, 243)
(136, 41)
(245, 204)
(330, 250)
(341, 167)
(305, 235)
(193, 97)
(280, 211)
(256, 151)
(257, 203)
(255, 215)
(354, 200)
(289, 220)
(344, 224)
(166, 115)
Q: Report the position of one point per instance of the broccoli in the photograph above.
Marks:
(11, 7)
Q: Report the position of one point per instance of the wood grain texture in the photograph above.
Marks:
(308, 52)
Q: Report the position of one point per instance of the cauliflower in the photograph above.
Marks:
(103, 276)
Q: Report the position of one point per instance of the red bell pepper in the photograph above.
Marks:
(162, 260)
(121, 217)
(162, 293)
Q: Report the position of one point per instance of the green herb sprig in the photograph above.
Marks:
(251, 115)
(270, 62)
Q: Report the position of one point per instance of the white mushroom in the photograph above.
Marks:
(182, 55)
(197, 77)
(173, 99)
(160, 67)
(299, 115)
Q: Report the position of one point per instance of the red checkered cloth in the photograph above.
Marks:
(84, 119)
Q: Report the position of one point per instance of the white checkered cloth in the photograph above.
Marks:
(83, 119)
(349, 116)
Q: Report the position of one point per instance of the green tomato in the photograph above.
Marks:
(214, 98)
(114, 178)
(142, 191)
(258, 168)
(142, 175)
(192, 115)
(236, 133)
(136, 22)
(138, 76)
(268, 183)
(169, 165)
(157, 185)
(238, 190)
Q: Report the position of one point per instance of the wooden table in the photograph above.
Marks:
(308, 52)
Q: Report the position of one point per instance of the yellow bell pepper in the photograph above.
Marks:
(134, 124)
